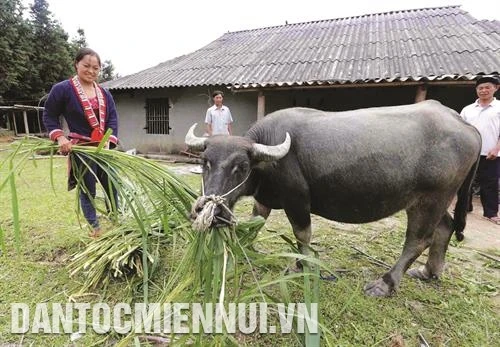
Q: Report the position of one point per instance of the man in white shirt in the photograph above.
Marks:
(484, 114)
(218, 121)
(218, 118)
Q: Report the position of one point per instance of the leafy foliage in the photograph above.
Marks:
(79, 41)
(35, 52)
(155, 204)
(52, 61)
(15, 50)
(108, 71)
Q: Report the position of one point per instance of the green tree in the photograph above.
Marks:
(35, 53)
(15, 51)
(80, 40)
(53, 60)
(108, 72)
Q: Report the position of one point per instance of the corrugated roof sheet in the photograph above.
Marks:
(411, 45)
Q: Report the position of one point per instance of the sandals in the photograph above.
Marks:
(494, 219)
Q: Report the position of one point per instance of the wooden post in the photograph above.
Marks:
(26, 127)
(421, 93)
(261, 105)
(9, 125)
(14, 122)
(38, 121)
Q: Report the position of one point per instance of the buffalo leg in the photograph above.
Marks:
(260, 210)
(422, 221)
(437, 251)
(301, 225)
(303, 237)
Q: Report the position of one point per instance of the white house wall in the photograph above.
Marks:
(187, 106)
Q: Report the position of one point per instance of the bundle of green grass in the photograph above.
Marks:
(154, 206)
(154, 215)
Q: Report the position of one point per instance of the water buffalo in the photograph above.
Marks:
(355, 167)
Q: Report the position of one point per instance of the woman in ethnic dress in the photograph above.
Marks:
(89, 111)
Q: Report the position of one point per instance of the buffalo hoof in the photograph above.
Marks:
(378, 288)
(421, 273)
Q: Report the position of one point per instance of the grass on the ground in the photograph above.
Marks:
(458, 310)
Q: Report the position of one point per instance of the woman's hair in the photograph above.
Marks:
(217, 92)
(82, 52)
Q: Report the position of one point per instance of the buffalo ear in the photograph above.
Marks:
(193, 141)
(271, 153)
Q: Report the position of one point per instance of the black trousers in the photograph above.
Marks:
(487, 177)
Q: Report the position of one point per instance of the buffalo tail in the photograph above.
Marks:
(462, 204)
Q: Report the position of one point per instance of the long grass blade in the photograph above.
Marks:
(220, 265)
(15, 207)
(311, 295)
(2, 241)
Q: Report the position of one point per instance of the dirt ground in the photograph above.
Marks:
(480, 233)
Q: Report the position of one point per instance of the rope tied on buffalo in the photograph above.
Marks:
(205, 218)
(205, 209)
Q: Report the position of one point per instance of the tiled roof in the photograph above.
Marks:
(411, 45)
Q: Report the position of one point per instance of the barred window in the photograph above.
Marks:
(157, 118)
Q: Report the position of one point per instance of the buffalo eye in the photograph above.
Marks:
(207, 164)
(240, 167)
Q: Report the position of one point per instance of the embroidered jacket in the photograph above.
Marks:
(62, 100)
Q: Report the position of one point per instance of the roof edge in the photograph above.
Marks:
(348, 17)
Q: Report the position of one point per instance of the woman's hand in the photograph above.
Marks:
(64, 145)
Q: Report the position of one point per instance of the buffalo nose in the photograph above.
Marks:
(217, 211)
(197, 207)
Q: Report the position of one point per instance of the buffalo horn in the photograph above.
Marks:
(270, 153)
(193, 141)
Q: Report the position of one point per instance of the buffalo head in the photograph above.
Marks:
(228, 162)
